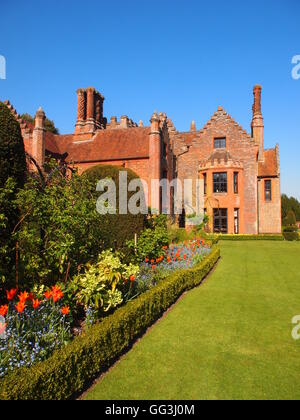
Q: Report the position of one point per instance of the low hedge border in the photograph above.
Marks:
(261, 237)
(69, 369)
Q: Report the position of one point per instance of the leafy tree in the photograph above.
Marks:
(59, 228)
(290, 203)
(290, 219)
(49, 124)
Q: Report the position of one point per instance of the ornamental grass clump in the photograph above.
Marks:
(35, 327)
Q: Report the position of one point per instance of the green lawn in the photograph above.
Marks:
(228, 339)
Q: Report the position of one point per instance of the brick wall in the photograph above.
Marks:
(242, 148)
(270, 211)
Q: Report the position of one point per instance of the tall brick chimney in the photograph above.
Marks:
(38, 138)
(99, 100)
(89, 112)
(155, 161)
(257, 124)
(81, 110)
(193, 127)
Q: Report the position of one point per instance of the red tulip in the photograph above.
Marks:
(20, 306)
(11, 294)
(3, 310)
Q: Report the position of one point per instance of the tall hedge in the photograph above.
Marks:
(12, 176)
(12, 151)
(116, 229)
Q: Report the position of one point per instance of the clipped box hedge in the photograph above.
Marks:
(261, 237)
(69, 369)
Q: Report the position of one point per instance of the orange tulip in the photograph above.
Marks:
(23, 297)
(11, 294)
(48, 294)
(132, 278)
(20, 306)
(35, 303)
(3, 310)
(65, 310)
(57, 296)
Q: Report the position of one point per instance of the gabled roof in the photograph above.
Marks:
(106, 145)
(270, 166)
(221, 114)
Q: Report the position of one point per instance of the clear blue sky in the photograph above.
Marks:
(182, 57)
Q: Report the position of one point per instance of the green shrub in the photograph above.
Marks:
(291, 236)
(290, 231)
(101, 285)
(70, 369)
(290, 219)
(290, 228)
(178, 235)
(149, 244)
(116, 229)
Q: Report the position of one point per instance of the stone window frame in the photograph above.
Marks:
(220, 182)
(216, 139)
(220, 215)
(237, 219)
(236, 177)
(268, 200)
(205, 182)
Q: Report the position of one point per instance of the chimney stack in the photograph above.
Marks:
(38, 138)
(89, 112)
(155, 163)
(257, 125)
(124, 123)
(193, 127)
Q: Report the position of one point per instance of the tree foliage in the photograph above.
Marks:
(288, 204)
(59, 228)
(290, 219)
(49, 124)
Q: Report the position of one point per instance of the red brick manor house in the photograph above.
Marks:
(241, 179)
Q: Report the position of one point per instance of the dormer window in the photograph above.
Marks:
(220, 143)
